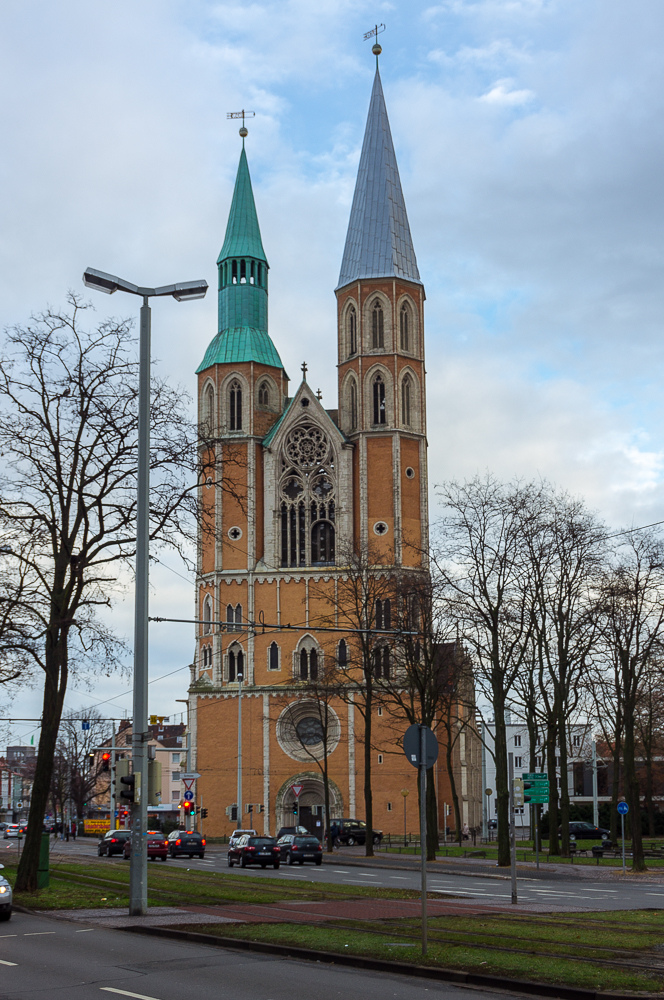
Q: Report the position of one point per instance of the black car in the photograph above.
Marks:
(186, 842)
(249, 850)
(113, 842)
(297, 850)
(581, 830)
(352, 831)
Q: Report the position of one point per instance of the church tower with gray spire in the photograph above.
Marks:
(304, 492)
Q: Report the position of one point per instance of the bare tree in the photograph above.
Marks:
(88, 775)
(485, 568)
(632, 623)
(649, 729)
(68, 433)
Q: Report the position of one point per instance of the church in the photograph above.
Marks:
(304, 486)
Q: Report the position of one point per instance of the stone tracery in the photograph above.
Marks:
(308, 498)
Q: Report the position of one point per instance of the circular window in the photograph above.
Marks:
(410, 473)
(310, 731)
(380, 528)
(300, 733)
(235, 533)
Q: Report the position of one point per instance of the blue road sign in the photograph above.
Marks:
(189, 796)
(623, 808)
(85, 725)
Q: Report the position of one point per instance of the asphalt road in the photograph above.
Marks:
(549, 890)
(43, 957)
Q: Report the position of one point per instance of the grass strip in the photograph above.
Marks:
(350, 940)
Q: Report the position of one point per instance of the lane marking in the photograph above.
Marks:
(340, 871)
(403, 878)
(37, 933)
(8, 935)
(7, 963)
(126, 993)
(654, 893)
(85, 930)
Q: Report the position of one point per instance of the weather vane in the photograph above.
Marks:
(376, 31)
(244, 132)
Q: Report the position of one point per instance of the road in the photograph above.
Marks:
(40, 956)
(548, 890)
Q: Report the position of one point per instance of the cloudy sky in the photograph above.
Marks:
(530, 143)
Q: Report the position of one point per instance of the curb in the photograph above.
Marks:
(471, 979)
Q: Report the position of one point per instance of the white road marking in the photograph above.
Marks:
(404, 878)
(126, 993)
(37, 933)
(7, 963)
(340, 871)
(84, 930)
(654, 893)
(8, 935)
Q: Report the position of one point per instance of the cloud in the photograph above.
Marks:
(502, 94)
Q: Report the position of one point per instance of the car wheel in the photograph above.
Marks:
(6, 915)
(242, 862)
(319, 861)
(100, 853)
(164, 858)
(351, 841)
(376, 839)
(290, 859)
(230, 862)
(201, 856)
(275, 865)
(264, 866)
(337, 841)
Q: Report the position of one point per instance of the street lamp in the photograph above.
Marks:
(109, 283)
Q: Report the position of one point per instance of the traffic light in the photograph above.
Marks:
(295, 809)
(204, 813)
(129, 792)
(189, 810)
(105, 758)
(91, 759)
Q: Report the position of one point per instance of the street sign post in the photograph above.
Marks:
(623, 809)
(421, 749)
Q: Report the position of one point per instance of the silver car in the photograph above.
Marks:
(5, 898)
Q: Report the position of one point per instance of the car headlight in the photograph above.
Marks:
(4, 888)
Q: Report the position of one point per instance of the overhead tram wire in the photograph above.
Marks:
(261, 628)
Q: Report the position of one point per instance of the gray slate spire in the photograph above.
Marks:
(378, 242)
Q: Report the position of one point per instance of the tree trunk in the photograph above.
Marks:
(615, 791)
(554, 843)
(502, 782)
(650, 805)
(632, 792)
(432, 817)
(449, 759)
(368, 797)
(326, 791)
(55, 686)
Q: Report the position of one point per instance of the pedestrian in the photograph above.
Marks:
(466, 831)
(73, 828)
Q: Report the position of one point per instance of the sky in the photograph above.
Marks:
(530, 145)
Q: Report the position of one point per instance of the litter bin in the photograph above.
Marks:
(598, 851)
(43, 880)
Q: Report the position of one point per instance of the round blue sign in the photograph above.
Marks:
(623, 808)
(188, 796)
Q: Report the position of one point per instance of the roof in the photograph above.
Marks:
(378, 242)
(243, 235)
(241, 343)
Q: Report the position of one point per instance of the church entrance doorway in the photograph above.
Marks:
(310, 804)
(312, 818)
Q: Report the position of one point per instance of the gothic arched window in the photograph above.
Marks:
(351, 322)
(308, 498)
(308, 664)
(235, 664)
(377, 325)
(233, 618)
(207, 616)
(209, 409)
(352, 392)
(406, 392)
(404, 327)
(379, 414)
(383, 614)
(263, 394)
(381, 663)
(273, 656)
(235, 406)
(342, 654)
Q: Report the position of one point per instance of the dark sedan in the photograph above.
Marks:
(248, 850)
(581, 830)
(186, 842)
(157, 845)
(113, 842)
(297, 850)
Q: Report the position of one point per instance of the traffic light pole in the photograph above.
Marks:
(240, 678)
(510, 759)
(138, 871)
(112, 795)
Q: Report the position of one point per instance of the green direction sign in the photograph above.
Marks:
(538, 776)
(536, 788)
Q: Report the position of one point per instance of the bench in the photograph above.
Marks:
(474, 854)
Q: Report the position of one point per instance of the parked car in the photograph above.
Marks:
(298, 849)
(236, 834)
(581, 830)
(293, 830)
(113, 842)
(5, 898)
(353, 831)
(249, 850)
(157, 845)
(186, 842)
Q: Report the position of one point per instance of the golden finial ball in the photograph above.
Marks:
(377, 49)
(244, 132)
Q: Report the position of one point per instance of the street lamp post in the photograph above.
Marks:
(109, 283)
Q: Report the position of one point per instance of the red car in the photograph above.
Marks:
(157, 845)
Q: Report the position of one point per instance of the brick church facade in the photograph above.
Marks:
(309, 486)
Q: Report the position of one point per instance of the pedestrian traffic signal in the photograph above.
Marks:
(204, 813)
(128, 793)
(105, 758)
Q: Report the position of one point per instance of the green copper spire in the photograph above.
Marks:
(242, 331)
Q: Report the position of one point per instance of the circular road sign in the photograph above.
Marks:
(623, 808)
(488, 791)
(188, 796)
(411, 746)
